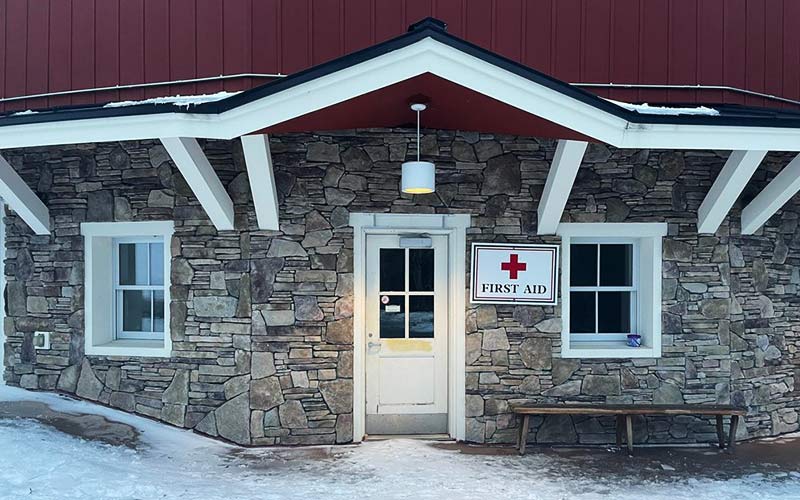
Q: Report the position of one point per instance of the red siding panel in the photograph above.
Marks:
(131, 47)
(107, 50)
(237, 54)
(51, 45)
(156, 44)
(38, 40)
(568, 46)
(83, 68)
(16, 51)
(508, 37)
(267, 34)
(791, 51)
(59, 51)
(182, 44)
(595, 63)
(3, 21)
(296, 35)
(209, 43)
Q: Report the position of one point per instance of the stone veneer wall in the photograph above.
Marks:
(262, 321)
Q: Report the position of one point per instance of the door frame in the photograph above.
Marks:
(454, 226)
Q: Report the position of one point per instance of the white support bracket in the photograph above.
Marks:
(730, 183)
(21, 198)
(258, 158)
(779, 191)
(199, 174)
(559, 183)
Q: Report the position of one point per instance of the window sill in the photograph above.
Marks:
(613, 350)
(130, 348)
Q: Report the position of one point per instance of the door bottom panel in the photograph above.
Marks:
(401, 424)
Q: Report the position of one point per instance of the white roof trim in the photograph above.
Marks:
(424, 56)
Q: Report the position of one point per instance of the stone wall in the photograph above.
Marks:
(262, 321)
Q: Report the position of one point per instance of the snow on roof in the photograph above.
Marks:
(176, 100)
(646, 109)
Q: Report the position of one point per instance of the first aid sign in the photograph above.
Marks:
(514, 274)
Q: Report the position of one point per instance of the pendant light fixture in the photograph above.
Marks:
(418, 177)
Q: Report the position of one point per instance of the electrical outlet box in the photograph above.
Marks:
(41, 340)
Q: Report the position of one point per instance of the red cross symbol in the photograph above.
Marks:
(513, 266)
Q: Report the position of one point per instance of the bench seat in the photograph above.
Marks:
(625, 413)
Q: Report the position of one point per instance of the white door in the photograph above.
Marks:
(406, 362)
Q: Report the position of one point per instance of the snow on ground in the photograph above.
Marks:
(38, 462)
(647, 109)
(176, 100)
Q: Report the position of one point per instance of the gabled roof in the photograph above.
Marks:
(427, 48)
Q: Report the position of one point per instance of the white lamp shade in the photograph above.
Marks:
(419, 177)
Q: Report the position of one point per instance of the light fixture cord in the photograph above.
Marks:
(417, 135)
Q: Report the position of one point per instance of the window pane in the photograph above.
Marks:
(614, 312)
(420, 270)
(158, 311)
(583, 265)
(136, 311)
(420, 319)
(393, 266)
(616, 265)
(393, 317)
(133, 264)
(156, 263)
(581, 312)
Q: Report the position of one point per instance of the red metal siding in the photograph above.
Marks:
(52, 45)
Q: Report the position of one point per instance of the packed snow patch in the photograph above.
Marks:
(37, 462)
(184, 101)
(647, 109)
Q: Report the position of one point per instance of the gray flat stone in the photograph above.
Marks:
(536, 353)
(233, 419)
(292, 415)
(338, 395)
(266, 393)
(89, 386)
(215, 306)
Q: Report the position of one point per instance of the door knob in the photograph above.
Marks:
(373, 347)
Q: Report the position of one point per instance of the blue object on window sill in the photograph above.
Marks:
(634, 340)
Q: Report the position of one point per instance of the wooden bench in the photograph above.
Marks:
(625, 413)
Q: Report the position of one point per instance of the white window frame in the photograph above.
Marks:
(120, 333)
(101, 240)
(646, 238)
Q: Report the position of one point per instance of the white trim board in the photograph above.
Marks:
(454, 226)
(648, 236)
(98, 267)
(424, 56)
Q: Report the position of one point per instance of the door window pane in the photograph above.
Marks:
(156, 263)
(616, 265)
(392, 317)
(614, 312)
(583, 265)
(420, 319)
(581, 312)
(393, 265)
(136, 311)
(133, 264)
(420, 270)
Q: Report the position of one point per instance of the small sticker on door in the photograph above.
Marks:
(385, 299)
(394, 308)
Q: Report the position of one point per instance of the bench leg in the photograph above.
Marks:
(732, 436)
(629, 433)
(720, 433)
(620, 425)
(523, 433)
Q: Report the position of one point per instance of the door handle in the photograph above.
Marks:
(373, 347)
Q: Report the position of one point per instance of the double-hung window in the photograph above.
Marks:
(610, 289)
(139, 288)
(127, 268)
